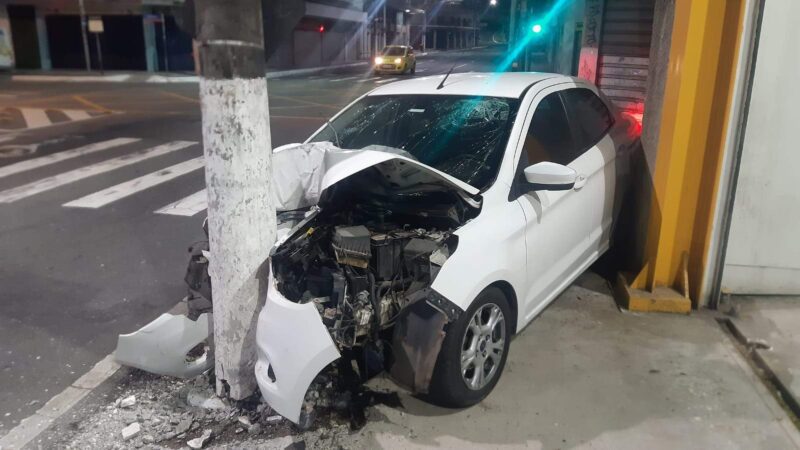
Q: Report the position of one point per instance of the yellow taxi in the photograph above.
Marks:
(396, 59)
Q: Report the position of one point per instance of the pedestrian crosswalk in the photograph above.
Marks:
(187, 206)
(16, 119)
(131, 187)
(119, 189)
(42, 161)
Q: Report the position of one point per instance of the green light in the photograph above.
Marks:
(537, 28)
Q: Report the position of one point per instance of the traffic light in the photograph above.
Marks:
(536, 28)
(321, 28)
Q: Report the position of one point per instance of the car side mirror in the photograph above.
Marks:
(548, 176)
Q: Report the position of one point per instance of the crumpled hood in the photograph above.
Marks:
(301, 172)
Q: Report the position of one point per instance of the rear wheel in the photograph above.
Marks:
(473, 353)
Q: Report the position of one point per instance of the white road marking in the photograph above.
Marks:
(420, 70)
(128, 188)
(369, 79)
(386, 80)
(344, 79)
(46, 184)
(61, 156)
(187, 206)
(34, 117)
(76, 114)
(81, 78)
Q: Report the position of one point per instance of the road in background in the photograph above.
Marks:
(100, 196)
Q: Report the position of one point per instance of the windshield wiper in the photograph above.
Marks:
(335, 134)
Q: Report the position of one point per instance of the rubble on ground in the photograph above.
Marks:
(169, 413)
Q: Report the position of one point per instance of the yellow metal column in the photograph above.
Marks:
(696, 103)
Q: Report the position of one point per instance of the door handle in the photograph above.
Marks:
(580, 182)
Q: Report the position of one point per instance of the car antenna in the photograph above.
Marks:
(441, 85)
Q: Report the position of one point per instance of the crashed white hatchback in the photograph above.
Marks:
(448, 215)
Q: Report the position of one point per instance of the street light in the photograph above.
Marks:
(493, 2)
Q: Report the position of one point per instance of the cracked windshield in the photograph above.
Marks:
(462, 136)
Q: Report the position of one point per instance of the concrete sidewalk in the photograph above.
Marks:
(583, 375)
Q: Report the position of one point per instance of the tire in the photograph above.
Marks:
(414, 69)
(449, 386)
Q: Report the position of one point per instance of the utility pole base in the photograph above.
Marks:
(660, 299)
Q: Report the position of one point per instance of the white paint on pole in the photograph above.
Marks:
(241, 220)
(46, 184)
(46, 160)
(130, 187)
(187, 206)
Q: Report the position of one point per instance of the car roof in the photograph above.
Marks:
(505, 84)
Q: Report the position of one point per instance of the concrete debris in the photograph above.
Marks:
(184, 425)
(244, 420)
(199, 441)
(165, 420)
(131, 431)
(204, 399)
(126, 402)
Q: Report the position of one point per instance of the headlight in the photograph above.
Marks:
(398, 60)
(378, 60)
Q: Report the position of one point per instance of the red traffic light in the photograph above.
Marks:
(322, 28)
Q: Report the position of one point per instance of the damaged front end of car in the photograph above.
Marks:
(352, 282)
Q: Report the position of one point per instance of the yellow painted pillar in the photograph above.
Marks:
(696, 104)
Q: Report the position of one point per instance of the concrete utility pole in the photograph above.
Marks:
(241, 215)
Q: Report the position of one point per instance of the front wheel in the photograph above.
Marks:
(473, 353)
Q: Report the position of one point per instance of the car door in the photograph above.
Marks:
(596, 160)
(559, 224)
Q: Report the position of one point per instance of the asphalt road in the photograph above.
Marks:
(73, 277)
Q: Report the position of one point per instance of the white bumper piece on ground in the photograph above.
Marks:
(161, 346)
(293, 347)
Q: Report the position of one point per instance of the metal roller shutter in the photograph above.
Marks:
(624, 52)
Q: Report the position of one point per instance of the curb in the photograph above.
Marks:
(30, 427)
(752, 351)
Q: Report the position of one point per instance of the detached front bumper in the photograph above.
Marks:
(293, 347)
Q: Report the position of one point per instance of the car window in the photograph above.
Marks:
(462, 136)
(393, 51)
(589, 115)
(549, 137)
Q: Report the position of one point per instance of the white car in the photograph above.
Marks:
(450, 213)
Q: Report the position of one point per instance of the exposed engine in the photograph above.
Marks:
(369, 252)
